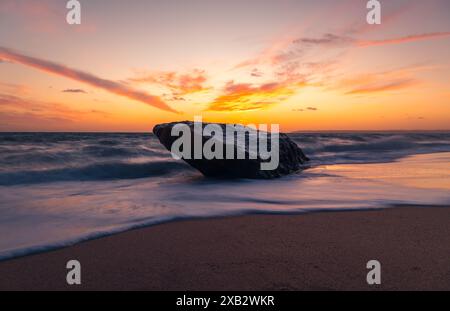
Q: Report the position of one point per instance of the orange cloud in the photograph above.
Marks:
(390, 80)
(38, 111)
(179, 84)
(411, 38)
(14, 88)
(246, 97)
(384, 86)
(81, 76)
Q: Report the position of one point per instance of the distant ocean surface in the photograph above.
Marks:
(60, 188)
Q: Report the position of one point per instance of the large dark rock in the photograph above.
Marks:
(291, 157)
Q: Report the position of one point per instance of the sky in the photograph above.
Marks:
(305, 65)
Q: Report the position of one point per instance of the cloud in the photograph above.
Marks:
(10, 100)
(74, 91)
(305, 109)
(334, 40)
(294, 62)
(256, 73)
(327, 39)
(272, 55)
(384, 86)
(3, 61)
(383, 81)
(81, 76)
(179, 83)
(14, 104)
(14, 88)
(247, 97)
(411, 38)
(19, 113)
(191, 83)
(317, 61)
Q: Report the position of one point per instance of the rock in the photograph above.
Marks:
(291, 157)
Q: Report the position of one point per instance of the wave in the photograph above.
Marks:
(98, 171)
(57, 214)
(48, 157)
(346, 148)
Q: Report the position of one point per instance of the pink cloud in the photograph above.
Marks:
(87, 78)
(411, 38)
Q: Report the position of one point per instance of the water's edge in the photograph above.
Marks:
(96, 236)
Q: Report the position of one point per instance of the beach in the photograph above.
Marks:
(136, 219)
(313, 251)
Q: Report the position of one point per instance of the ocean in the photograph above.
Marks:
(57, 189)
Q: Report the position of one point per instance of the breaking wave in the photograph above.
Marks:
(51, 157)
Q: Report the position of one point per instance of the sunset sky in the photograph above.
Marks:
(306, 65)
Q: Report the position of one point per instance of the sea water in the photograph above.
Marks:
(57, 189)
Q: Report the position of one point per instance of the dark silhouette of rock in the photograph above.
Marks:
(291, 157)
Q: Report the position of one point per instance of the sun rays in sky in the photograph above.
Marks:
(303, 64)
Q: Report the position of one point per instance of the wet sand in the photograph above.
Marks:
(315, 251)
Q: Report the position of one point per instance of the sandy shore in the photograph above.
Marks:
(318, 251)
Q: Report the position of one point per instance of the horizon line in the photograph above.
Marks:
(294, 131)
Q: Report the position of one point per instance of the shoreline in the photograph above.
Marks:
(323, 250)
(46, 248)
